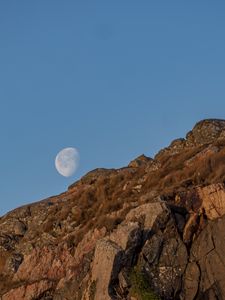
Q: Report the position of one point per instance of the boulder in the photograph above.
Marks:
(213, 200)
(149, 214)
(108, 260)
(162, 219)
(140, 161)
(206, 131)
(204, 276)
(163, 259)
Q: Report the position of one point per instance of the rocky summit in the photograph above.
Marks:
(152, 230)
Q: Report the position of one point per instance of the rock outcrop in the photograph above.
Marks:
(151, 230)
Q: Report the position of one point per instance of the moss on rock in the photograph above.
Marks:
(140, 287)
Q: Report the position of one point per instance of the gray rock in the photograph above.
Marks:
(206, 131)
(107, 263)
(207, 253)
(163, 259)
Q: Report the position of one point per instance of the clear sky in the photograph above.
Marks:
(113, 78)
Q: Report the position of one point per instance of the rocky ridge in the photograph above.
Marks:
(151, 230)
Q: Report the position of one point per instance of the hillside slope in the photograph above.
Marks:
(151, 230)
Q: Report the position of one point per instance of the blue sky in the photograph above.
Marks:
(113, 78)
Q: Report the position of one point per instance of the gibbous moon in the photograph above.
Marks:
(67, 161)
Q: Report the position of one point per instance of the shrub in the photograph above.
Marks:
(140, 287)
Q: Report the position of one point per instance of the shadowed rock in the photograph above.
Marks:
(163, 218)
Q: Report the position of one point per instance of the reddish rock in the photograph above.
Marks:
(164, 217)
(29, 292)
(213, 200)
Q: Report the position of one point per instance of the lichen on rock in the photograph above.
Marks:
(151, 230)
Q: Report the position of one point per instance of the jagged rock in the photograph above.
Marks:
(164, 217)
(191, 282)
(163, 259)
(45, 262)
(113, 254)
(207, 253)
(202, 155)
(140, 161)
(203, 133)
(127, 236)
(118, 251)
(148, 214)
(30, 292)
(88, 242)
(213, 200)
(92, 176)
(175, 147)
(107, 263)
(206, 131)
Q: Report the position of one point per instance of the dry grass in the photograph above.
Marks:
(100, 202)
(107, 195)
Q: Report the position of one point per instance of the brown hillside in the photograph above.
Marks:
(151, 230)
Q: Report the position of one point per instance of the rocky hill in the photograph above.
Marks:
(152, 230)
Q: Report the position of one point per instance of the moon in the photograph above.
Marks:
(67, 161)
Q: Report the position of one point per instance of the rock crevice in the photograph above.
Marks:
(151, 230)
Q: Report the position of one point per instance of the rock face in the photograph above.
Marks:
(107, 262)
(212, 198)
(204, 275)
(206, 131)
(151, 230)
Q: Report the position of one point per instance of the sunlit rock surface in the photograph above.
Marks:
(151, 230)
